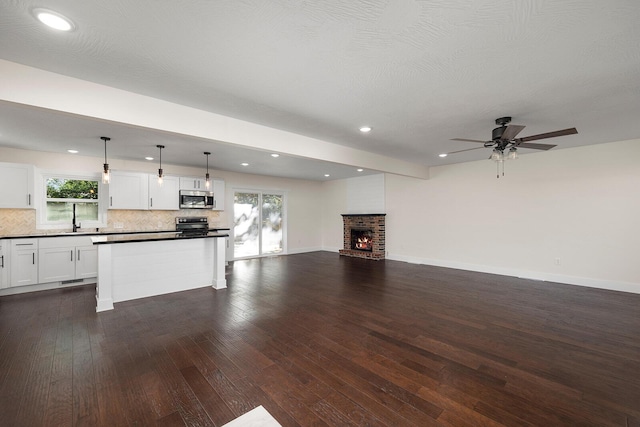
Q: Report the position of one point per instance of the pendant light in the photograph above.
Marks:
(160, 168)
(207, 179)
(106, 174)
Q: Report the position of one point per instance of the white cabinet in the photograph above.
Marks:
(56, 264)
(17, 188)
(218, 194)
(165, 196)
(191, 183)
(24, 262)
(129, 190)
(86, 262)
(66, 258)
(4, 264)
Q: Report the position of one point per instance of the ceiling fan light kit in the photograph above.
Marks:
(504, 137)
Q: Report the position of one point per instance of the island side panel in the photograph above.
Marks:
(104, 286)
(219, 280)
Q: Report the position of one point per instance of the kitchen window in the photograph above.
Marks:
(62, 194)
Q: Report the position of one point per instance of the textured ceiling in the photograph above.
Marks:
(419, 72)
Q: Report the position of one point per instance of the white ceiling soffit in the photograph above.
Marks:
(419, 72)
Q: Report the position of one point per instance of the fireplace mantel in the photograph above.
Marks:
(371, 222)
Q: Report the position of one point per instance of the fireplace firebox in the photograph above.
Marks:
(362, 240)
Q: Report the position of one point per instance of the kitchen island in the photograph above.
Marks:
(141, 265)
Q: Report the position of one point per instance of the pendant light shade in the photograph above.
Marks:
(207, 178)
(160, 168)
(106, 174)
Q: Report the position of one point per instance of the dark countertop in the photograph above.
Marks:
(97, 233)
(152, 237)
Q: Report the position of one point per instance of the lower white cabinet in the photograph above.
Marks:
(56, 264)
(66, 258)
(86, 262)
(4, 264)
(24, 262)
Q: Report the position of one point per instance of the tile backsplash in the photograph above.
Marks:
(23, 221)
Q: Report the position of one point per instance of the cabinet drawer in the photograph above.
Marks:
(24, 244)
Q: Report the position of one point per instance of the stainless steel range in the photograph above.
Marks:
(192, 225)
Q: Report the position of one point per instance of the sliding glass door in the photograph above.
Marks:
(258, 224)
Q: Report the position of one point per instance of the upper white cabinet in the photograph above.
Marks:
(165, 196)
(191, 183)
(17, 190)
(129, 190)
(218, 195)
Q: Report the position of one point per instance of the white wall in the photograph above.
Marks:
(580, 206)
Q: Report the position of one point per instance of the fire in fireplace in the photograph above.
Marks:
(362, 240)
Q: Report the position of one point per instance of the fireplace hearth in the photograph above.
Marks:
(364, 236)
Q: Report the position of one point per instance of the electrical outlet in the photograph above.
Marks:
(118, 225)
(557, 261)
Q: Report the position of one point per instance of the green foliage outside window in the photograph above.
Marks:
(58, 188)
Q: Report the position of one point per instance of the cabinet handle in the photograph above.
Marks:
(71, 254)
(24, 244)
(2, 258)
(33, 258)
(110, 200)
(28, 199)
(195, 185)
(151, 199)
(78, 256)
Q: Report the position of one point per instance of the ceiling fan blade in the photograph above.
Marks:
(570, 131)
(468, 140)
(536, 146)
(460, 151)
(511, 131)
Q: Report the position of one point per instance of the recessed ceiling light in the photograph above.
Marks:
(327, 175)
(53, 19)
(442, 155)
(148, 158)
(359, 170)
(244, 164)
(72, 151)
(275, 155)
(365, 129)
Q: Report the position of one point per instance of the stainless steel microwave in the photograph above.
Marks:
(196, 199)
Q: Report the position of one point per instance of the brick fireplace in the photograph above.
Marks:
(363, 236)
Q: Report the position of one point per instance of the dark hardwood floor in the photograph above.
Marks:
(319, 339)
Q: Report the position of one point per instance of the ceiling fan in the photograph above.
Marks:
(504, 137)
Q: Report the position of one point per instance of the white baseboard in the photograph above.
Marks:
(533, 275)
